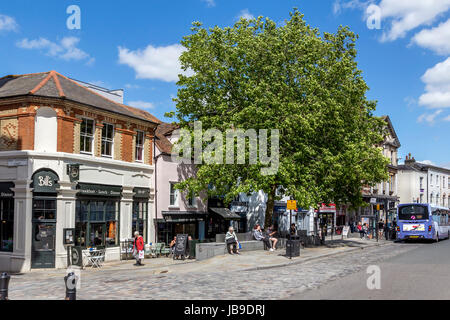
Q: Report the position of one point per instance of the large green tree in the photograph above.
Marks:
(257, 75)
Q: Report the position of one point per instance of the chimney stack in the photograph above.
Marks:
(409, 159)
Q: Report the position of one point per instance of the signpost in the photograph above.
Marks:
(291, 205)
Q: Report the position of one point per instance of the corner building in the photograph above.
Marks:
(70, 158)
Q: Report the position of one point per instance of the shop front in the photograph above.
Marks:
(327, 219)
(191, 223)
(97, 216)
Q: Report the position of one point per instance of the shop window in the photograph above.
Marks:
(87, 136)
(6, 224)
(140, 215)
(97, 223)
(139, 156)
(107, 139)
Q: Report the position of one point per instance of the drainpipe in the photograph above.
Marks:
(155, 161)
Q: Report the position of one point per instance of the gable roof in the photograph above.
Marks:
(392, 131)
(162, 142)
(52, 84)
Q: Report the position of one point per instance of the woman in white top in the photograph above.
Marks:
(232, 241)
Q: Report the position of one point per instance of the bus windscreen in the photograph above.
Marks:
(413, 212)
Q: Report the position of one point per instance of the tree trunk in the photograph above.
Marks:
(269, 207)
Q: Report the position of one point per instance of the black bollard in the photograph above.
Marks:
(71, 286)
(4, 284)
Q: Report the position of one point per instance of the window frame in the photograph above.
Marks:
(175, 194)
(84, 135)
(142, 146)
(88, 221)
(192, 198)
(107, 140)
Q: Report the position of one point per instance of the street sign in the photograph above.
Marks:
(373, 200)
(291, 205)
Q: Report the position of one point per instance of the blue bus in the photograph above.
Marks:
(422, 221)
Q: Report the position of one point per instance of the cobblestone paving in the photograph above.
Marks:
(146, 284)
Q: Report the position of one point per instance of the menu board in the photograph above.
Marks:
(181, 245)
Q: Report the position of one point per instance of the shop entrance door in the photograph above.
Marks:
(44, 233)
(43, 250)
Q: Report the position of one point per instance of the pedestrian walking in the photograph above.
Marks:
(380, 229)
(360, 230)
(138, 248)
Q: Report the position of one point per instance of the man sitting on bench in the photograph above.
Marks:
(258, 235)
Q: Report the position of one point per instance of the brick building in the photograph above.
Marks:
(70, 158)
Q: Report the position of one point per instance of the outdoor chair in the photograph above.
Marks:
(165, 250)
(158, 249)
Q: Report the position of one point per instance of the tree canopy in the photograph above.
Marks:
(257, 75)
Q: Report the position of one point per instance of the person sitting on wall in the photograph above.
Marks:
(293, 230)
(232, 241)
(271, 232)
(258, 235)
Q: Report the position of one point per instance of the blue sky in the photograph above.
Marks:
(134, 45)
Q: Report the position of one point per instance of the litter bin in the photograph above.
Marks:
(292, 248)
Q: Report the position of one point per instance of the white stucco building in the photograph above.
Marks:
(70, 160)
(423, 183)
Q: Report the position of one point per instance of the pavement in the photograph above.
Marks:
(245, 276)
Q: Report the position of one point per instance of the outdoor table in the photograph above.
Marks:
(95, 258)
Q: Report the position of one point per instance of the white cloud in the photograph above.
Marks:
(428, 162)
(132, 86)
(66, 49)
(406, 15)
(338, 5)
(141, 104)
(210, 3)
(245, 14)
(437, 86)
(429, 117)
(160, 63)
(8, 23)
(436, 39)
(447, 118)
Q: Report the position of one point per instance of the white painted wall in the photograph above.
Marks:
(45, 130)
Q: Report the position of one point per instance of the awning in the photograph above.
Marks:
(90, 189)
(183, 216)
(225, 213)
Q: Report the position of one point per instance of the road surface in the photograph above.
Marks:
(421, 273)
